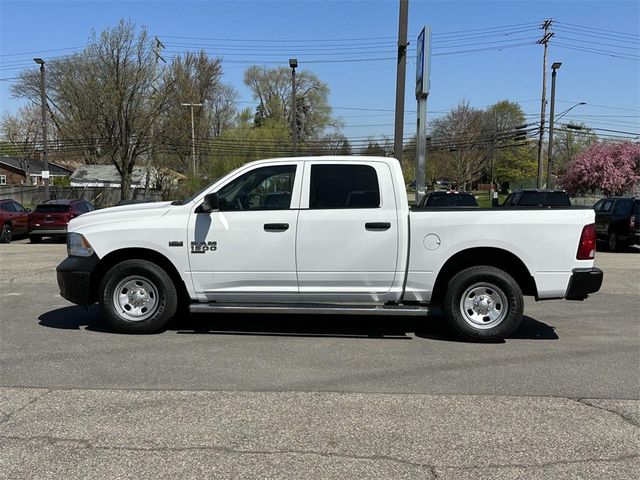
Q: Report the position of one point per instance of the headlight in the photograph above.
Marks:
(78, 246)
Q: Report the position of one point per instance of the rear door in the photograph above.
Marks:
(347, 241)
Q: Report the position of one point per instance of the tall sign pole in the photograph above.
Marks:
(423, 83)
(401, 72)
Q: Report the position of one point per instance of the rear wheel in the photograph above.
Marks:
(137, 296)
(6, 234)
(613, 241)
(484, 303)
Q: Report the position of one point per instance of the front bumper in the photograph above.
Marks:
(583, 282)
(74, 279)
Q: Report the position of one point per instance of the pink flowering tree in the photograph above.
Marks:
(611, 167)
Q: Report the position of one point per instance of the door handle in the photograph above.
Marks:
(377, 226)
(276, 227)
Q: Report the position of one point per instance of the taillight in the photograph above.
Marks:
(587, 245)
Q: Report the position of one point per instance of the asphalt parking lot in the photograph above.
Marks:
(250, 395)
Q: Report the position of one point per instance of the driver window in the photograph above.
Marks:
(266, 188)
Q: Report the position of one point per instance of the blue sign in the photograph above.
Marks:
(423, 63)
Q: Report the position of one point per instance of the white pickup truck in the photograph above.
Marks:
(319, 235)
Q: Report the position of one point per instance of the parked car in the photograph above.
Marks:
(618, 221)
(344, 242)
(449, 198)
(14, 220)
(537, 198)
(50, 219)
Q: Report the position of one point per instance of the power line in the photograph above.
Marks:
(589, 29)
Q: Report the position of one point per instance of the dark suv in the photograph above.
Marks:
(50, 219)
(14, 220)
(448, 199)
(618, 221)
(537, 198)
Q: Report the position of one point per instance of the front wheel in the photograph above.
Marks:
(484, 303)
(6, 234)
(137, 296)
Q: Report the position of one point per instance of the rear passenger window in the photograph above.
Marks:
(623, 207)
(344, 186)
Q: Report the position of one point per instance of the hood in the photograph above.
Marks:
(123, 213)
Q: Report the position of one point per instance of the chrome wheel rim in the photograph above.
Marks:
(483, 306)
(135, 298)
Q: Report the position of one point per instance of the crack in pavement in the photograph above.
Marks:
(430, 468)
(52, 441)
(7, 416)
(584, 401)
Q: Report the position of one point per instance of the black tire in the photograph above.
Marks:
(613, 242)
(6, 234)
(35, 238)
(126, 311)
(475, 295)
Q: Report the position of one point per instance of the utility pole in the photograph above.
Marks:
(555, 66)
(293, 63)
(43, 102)
(543, 106)
(493, 154)
(400, 78)
(193, 135)
(156, 51)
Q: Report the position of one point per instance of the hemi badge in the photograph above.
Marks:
(175, 243)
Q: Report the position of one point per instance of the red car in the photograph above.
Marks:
(50, 219)
(14, 220)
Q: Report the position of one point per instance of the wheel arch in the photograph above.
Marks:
(495, 257)
(118, 256)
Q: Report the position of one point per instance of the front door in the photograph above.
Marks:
(247, 248)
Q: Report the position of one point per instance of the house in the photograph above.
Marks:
(108, 176)
(20, 171)
(105, 176)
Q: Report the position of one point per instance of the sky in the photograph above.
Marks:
(483, 51)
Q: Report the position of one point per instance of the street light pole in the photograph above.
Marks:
(193, 135)
(43, 102)
(554, 67)
(293, 63)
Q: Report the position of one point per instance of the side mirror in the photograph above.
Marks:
(211, 203)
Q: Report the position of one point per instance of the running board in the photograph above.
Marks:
(309, 309)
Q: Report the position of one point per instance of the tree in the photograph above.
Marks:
(512, 159)
(567, 143)
(460, 132)
(193, 78)
(613, 168)
(105, 97)
(22, 131)
(271, 87)
(378, 149)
